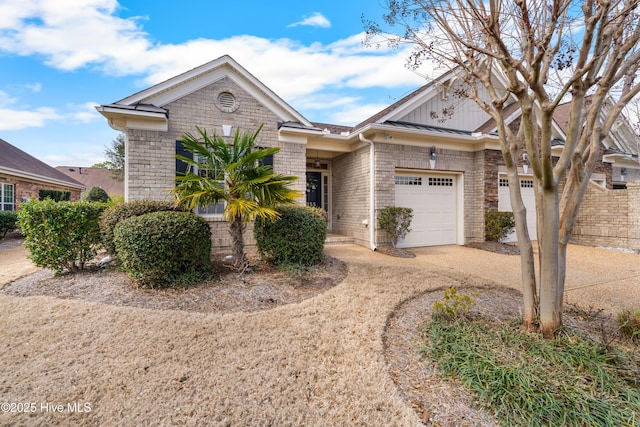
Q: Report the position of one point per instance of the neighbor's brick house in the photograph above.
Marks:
(402, 156)
(22, 177)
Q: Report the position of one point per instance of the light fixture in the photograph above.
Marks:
(316, 163)
(525, 165)
(623, 172)
(432, 157)
(226, 130)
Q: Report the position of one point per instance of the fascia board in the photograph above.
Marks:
(36, 177)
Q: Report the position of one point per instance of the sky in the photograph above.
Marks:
(61, 58)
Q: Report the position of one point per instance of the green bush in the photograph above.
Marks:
(295, 238)
(163, 248)
(455, 306)
(629, 321)
(55, 195)
(498, 225)
(116, 213)
(61, 235)
(8, 222)
(396, 221)
(97, 194)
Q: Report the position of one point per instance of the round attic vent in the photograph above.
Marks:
(226, 101)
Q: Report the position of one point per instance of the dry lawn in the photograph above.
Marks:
(317, 362)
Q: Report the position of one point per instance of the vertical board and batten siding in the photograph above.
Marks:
(467, 115)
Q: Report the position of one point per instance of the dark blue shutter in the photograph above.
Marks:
(267, 161)
(182, 166)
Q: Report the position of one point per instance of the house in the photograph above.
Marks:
(434, 151)
(94, 177)
(23, 177)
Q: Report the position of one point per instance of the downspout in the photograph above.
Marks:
(372, 192)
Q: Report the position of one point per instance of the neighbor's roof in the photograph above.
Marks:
(14, 161)
(94, 177)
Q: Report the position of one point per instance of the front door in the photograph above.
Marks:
(314, 189)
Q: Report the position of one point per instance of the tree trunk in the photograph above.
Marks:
(550, 289)
(527, 265)
(236, 229)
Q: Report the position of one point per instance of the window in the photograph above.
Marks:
(440, 182)
(408, 180)
(526, 183)
(214, 208)
(6, 197)
(504, 182)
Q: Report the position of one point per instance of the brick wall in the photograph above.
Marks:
(151, 154)
(350, 195)
(29, 189)
(609, 218)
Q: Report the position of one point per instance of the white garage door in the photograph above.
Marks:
(433, 200)
(529, 199)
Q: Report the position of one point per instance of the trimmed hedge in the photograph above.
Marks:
(97, 194)
(116, 213)
(61, 235)
(163, 248)
(295, 238)
(498, 225)
(8, 222)
(55, 195)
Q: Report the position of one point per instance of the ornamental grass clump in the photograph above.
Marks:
(526, 380)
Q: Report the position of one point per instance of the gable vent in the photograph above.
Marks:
(226, 100)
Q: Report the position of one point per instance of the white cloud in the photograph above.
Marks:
(315, 20)
(85, 113)
(21, 119)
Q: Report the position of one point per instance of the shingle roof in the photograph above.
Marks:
(13, 158)
(335, 129)
(94, 177)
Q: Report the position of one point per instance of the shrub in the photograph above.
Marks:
(55, 195)
(8, 222)
(455, 306)
(629, 321)
(161, 248)
(396, 221)
(116, 213)
(498, 225)
(295, 238)
(61, 235)
(97, 194)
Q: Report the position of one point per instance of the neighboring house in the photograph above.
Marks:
(433, 151)
(94, 177)
(22, 176)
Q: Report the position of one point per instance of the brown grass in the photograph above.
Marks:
(320, 361)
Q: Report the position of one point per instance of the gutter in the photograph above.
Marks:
(372, 192)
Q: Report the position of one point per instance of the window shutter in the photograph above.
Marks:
(267, 161)
(181, 166)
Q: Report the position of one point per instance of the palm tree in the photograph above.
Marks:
(234, 174)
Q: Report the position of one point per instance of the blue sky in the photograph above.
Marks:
(60, 58)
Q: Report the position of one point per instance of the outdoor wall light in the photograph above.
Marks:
(525, 165)
(316, 163)
(432, 157)
(623, 172)
(226, 130)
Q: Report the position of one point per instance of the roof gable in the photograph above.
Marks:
(18, 163)
(193, 80)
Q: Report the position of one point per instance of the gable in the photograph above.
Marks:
(223, 68)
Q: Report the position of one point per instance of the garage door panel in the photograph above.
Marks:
(529, 200)
(433, 200)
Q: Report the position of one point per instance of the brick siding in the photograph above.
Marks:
(29, 189)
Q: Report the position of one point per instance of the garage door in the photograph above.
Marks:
(529, 199)
(433, 200)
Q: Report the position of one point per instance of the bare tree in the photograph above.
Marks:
(543, 52)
